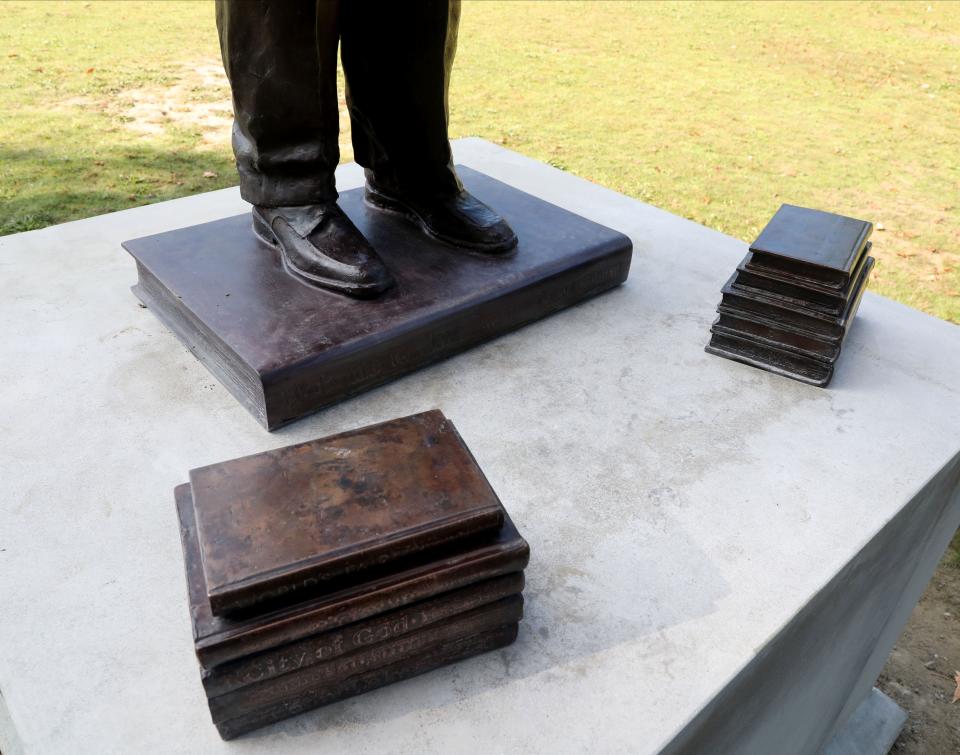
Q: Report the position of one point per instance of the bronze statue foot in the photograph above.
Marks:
(321, 245)
(460, 219)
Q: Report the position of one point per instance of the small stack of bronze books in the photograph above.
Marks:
(329, 568)
(789, 305)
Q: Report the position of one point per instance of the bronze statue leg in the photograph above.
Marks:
(281, 59)
(397, 58)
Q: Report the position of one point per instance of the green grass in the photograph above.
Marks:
(717, 112)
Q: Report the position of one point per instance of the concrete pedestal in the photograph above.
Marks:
(722, 558)
(871, 729)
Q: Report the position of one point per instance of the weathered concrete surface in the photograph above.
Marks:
(871, 730)
(682, 510)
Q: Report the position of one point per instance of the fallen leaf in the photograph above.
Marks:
(209, 174)
(956, 692)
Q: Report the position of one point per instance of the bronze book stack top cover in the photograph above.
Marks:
(313, 517)
(789, 304)
(821, 246)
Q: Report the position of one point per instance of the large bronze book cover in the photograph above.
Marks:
(324, 647)
(446, 653)
(285, 349)
(426, 641)
(302, 518)
(218, 639)
(822, 246)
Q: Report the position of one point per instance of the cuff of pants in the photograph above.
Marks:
(285, 191)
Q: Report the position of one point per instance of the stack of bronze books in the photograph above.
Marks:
(789, 305)
(329, 568)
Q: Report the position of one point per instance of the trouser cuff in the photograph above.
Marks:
(287, 191)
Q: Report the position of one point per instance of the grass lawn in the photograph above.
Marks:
(717, 112)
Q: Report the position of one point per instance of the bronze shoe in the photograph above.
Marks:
(459, 219)
(321, 245)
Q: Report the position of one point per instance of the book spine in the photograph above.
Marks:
(245, 597)
(771, 359)
(828, 303)
(332, 673)
(777, 337)
(353, 609)
(446, 653)
(812, 324)
(736, 314)
(237, 377)
(324, 647)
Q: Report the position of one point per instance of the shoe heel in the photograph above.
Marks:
(263, 231)
(383, 202)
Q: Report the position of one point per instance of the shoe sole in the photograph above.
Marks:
(376, 200)
(360, 290)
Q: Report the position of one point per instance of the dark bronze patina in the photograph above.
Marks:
(789, 305)
(821, 298)
(822, 247)
(285, 349)
(281, 59)
(787, 313)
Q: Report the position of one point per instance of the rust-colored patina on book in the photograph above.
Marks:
(307, 517)
(398, 558)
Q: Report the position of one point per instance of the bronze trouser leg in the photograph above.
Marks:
(281, 59)
(397, 58)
